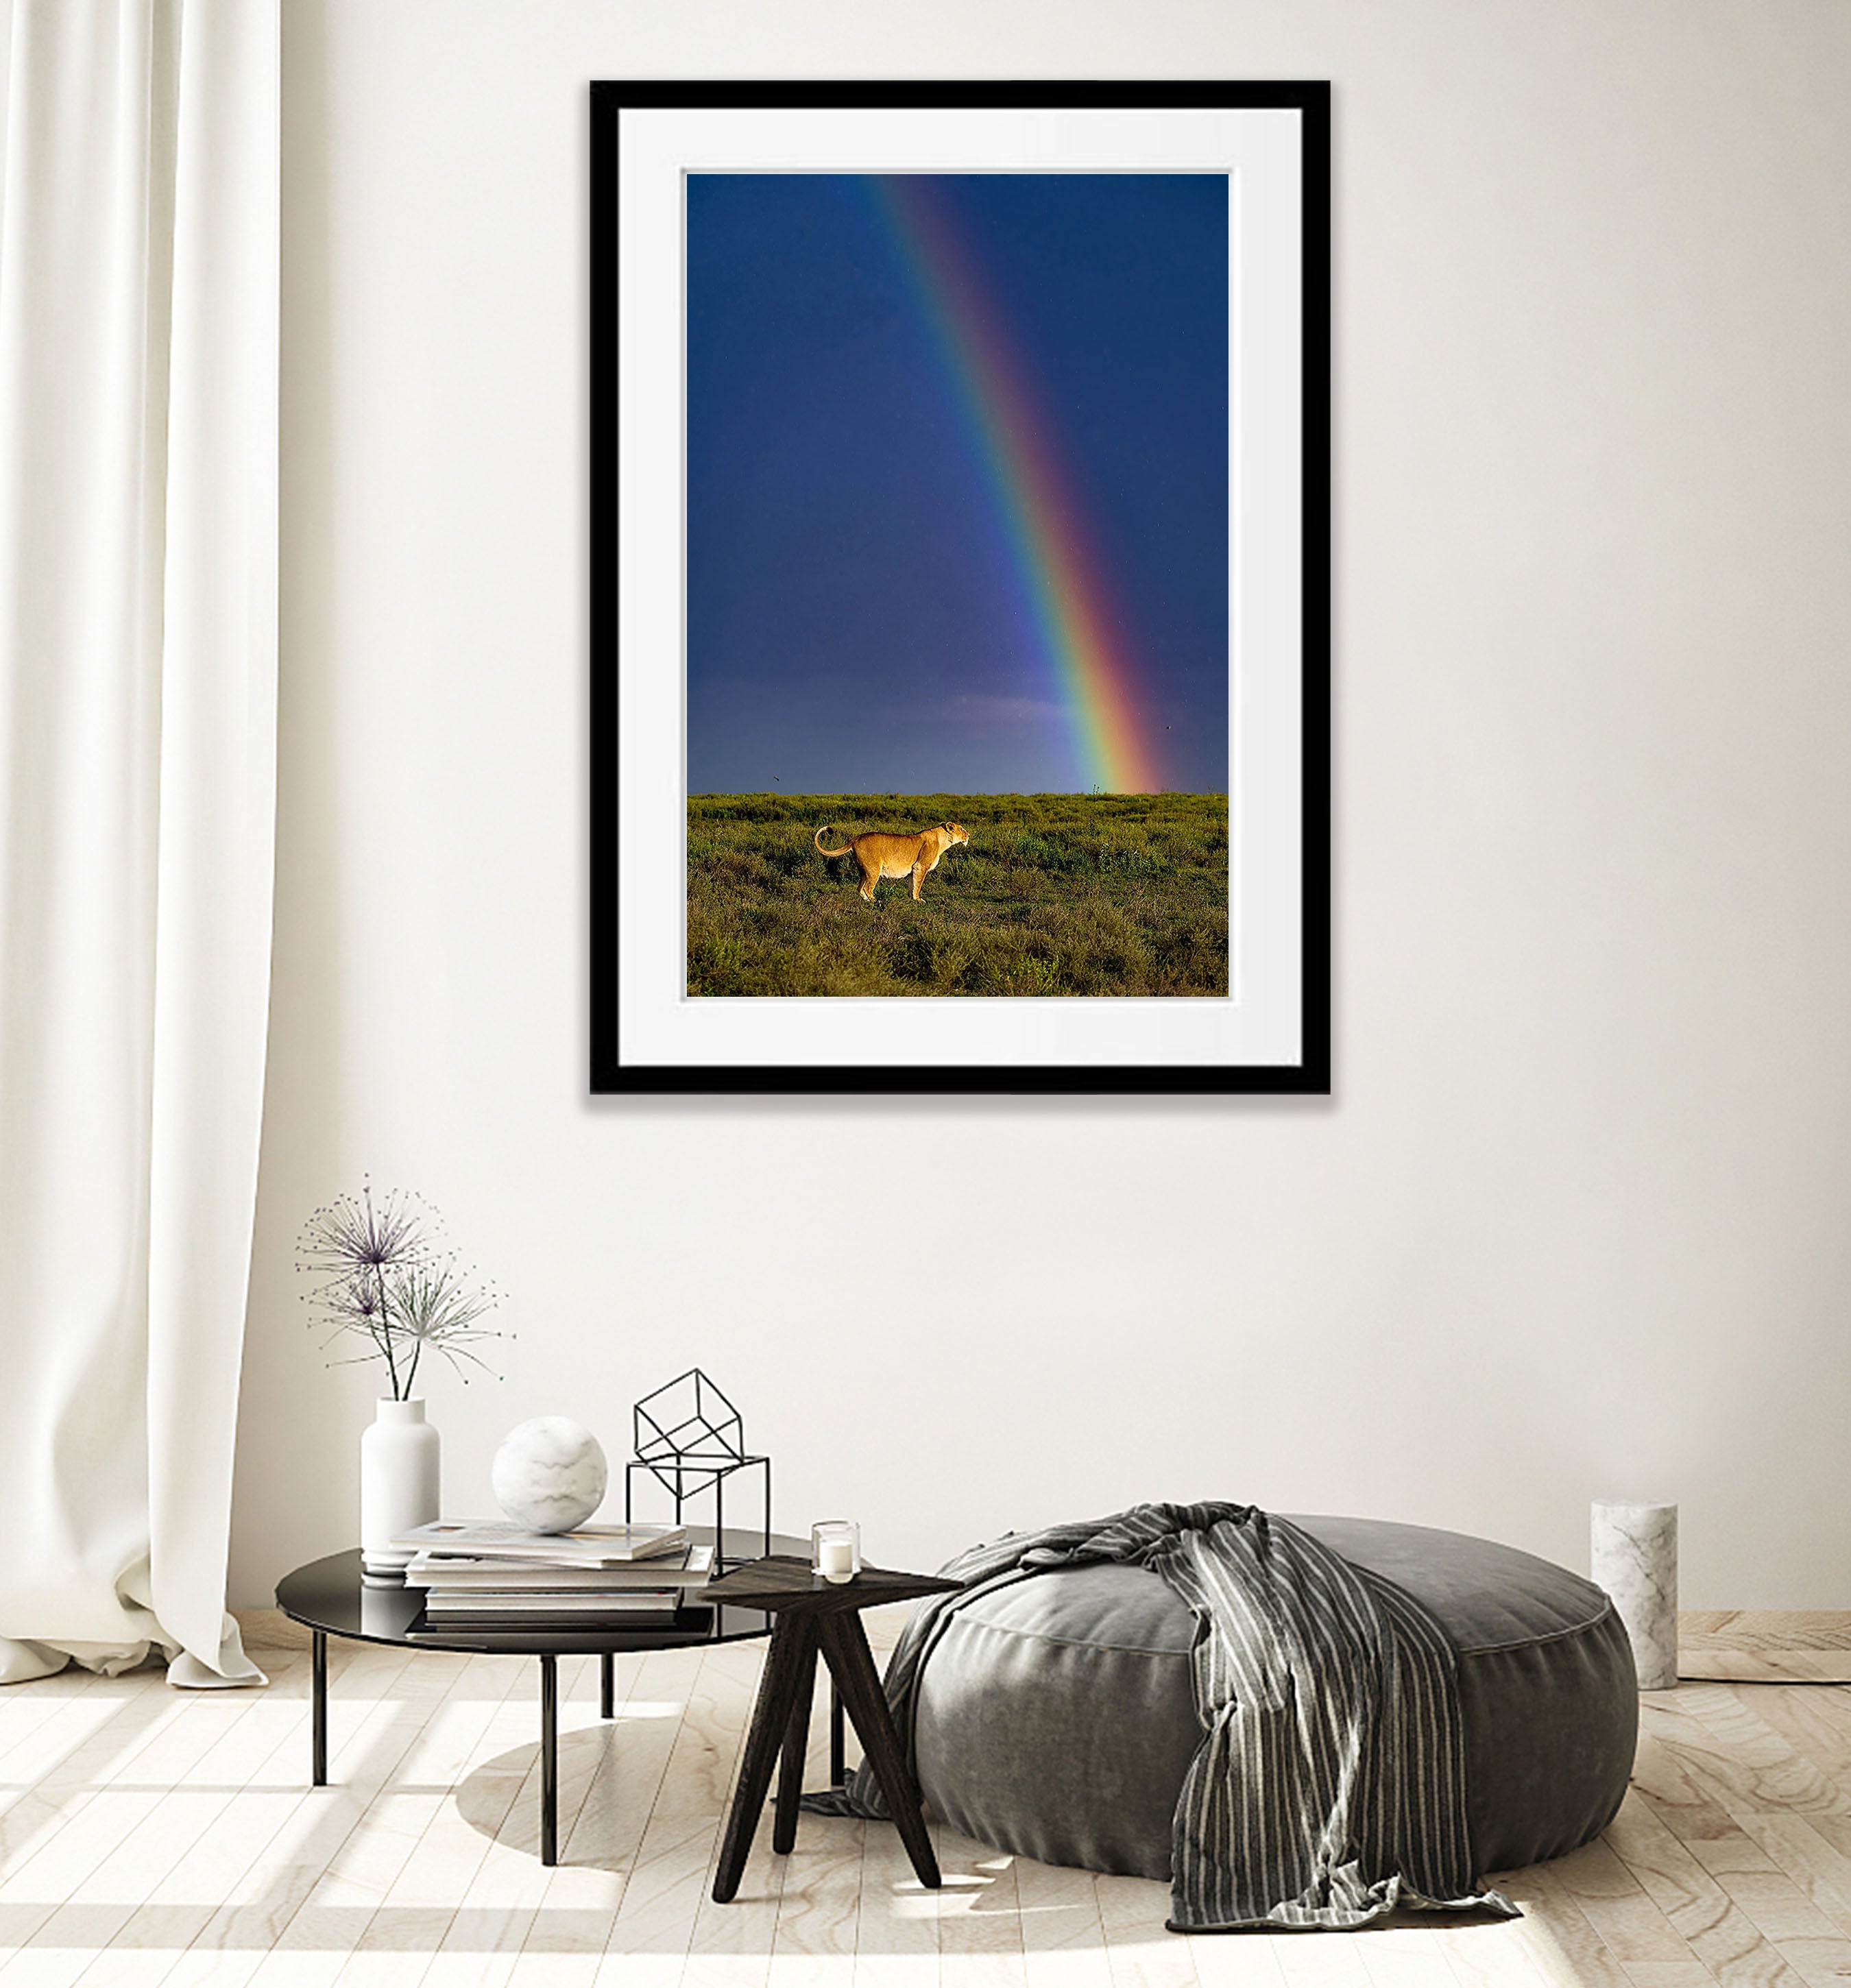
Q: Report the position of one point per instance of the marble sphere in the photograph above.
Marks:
(549, 1474)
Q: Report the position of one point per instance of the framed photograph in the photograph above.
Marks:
(960, 633)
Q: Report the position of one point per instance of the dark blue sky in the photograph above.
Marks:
(857, 621)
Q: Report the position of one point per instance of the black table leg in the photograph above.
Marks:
(606, 1685)
(838, 1763)
(549, 1759)
(844, 1645)
(318, 1710)
(770, 1721)
(797, 1744)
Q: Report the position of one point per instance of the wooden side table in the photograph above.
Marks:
(813, 1617)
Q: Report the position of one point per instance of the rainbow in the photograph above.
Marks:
(1059, 567)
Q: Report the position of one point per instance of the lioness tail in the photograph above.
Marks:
(846, 848)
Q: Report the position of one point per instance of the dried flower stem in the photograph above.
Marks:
(383, 1278)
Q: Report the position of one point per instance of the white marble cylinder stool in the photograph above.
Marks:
(1634, 1558)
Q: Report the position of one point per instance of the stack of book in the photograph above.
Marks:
(482, 1574)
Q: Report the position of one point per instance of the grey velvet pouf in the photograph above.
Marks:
(1056, 1716)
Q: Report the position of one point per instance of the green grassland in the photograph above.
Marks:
(1054, 894)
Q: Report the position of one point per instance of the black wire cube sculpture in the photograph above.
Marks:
(690, 1438)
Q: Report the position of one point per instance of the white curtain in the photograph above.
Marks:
(139, 280)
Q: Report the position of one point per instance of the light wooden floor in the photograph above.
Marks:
(153, 1836)
(1792, 1646)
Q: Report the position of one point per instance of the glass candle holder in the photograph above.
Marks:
(835, 1549)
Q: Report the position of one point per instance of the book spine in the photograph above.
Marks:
(474, 1605)
(634, 1618)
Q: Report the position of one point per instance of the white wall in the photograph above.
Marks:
(1573, 1224)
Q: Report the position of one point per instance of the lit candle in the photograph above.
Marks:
(835, 1560)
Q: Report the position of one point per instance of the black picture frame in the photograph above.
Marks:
(1310, 1073)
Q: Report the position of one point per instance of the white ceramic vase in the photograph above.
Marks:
(400, 1469)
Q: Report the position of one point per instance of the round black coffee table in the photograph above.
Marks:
(333, 1597)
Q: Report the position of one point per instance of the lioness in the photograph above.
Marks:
(879, 856)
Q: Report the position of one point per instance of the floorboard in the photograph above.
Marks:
(158, 1839)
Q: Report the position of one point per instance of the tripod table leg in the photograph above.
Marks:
(770, 1720)
(318, 1711)
(548, 1758)
(606, 1685)
(845, 1650)
(796, 1742)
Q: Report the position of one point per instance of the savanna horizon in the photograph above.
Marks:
(1054, 894)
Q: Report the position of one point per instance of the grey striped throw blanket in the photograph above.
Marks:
(1330, 1784)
